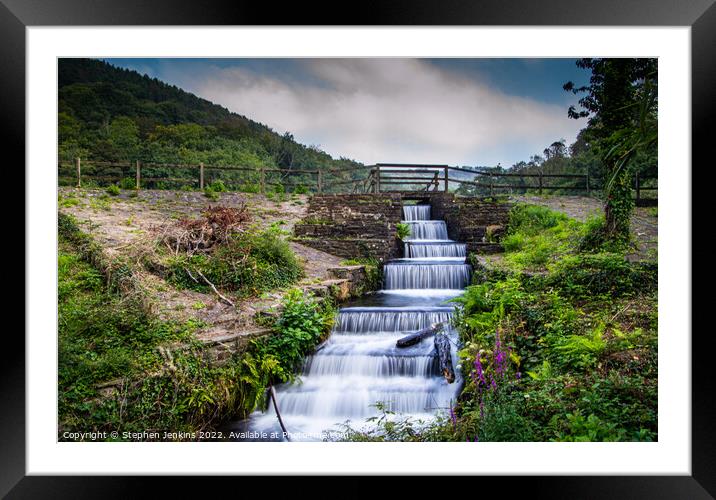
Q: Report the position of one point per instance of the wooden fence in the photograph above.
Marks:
(383, 177)
(379, 178)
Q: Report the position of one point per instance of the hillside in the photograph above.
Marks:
(113, 114)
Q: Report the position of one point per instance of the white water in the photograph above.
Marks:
(427, 230)
(360, 365)
(416, 212)
(421, 249)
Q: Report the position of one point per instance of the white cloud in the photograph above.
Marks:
(397, 110)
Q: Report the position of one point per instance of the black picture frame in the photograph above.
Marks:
(700, 15)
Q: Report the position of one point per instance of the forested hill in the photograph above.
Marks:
(114, 114)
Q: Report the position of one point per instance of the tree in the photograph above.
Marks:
(620, 102)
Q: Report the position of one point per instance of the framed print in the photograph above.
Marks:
(427, 244)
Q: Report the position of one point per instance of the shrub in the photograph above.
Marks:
(402, 230)
(128, 183)
(218, 186)
(582, 351)
(249, 188)
(607, 274)
(210, 193)
(112, 190)
(300, 189)
(302, 324)
(249, 263)
(532, 219)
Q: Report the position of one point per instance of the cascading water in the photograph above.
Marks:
(421, 250)
(360, 365)
(416, 212)
(427, 230)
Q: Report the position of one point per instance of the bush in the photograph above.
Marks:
(249, 263)
(128, 183)
(606, 274)
(402, 230)
(249, 188)
(300, 189)
(537, 237)
(210, 193)
(113, 190)
(218, 186)
(302, 324)
(532, 219)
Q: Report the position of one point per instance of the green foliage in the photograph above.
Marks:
(103, 337)
(113, 190)
(128, 183)
(251, 262)
(537, 237)
(607, 275)
(218, 186)
(621, 101)
(532, 219)
(591, 371)
(302, 324)
(112, 114)
(582, 351)
(402, 230)
(210, 193)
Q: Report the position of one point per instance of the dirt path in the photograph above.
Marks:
(126, 225)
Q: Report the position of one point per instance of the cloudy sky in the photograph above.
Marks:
(455, 111)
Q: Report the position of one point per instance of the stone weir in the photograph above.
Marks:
(364, 225)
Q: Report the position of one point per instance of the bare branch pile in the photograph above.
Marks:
(216, 225)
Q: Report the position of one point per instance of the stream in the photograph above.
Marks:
(360, 365)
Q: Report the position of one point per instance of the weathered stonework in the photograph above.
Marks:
(353, 225)
(363, 225)
(478, 222)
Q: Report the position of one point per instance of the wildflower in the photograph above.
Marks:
(479, 371)
(518, 375)
(453, 417)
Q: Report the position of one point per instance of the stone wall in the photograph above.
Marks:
(352, 225)
(479, 222)
(363, 225)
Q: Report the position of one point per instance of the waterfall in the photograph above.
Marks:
(421, 249)
(426, 275)
(360, 365)
(427, 230)
(416, 212)
(389, 319)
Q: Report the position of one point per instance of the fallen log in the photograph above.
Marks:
(442, 345)
(416, 337)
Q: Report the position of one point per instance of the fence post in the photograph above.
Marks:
(491, 185)
(318, 181)
(79, 177)
(377, 179)
(446, 180)
(138, 175)
(588, 189)
(262, 181)
(540, 183)
(638, 195)
(201, 176)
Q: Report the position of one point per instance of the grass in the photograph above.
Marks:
(121, 369)
(559, 345)
(252, 262)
